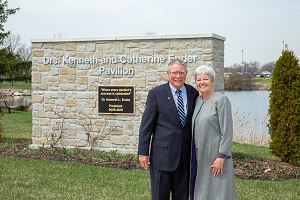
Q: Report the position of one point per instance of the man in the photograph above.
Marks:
(167, 125)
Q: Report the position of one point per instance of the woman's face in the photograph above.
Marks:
(204, 83)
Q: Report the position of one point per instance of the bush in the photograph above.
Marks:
(23, 108)
(1, 114)
(284, 110)
(238, 82)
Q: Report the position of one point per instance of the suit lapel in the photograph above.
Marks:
(169, 98)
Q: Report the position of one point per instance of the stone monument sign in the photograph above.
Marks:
(91, 92)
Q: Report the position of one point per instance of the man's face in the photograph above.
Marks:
(177, 75)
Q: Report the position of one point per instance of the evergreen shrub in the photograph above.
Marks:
(284, 110)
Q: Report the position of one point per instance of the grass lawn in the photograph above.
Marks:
(22, 178)
(262, 80)
(23, 86)
(40, 179)
(17, 125)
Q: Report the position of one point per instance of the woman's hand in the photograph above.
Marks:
(217, 166)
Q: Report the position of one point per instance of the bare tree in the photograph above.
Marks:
(13, 44)
(235, 68)
(268, 67)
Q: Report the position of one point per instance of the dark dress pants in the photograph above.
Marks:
(163, 183)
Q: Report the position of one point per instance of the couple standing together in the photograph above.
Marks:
(185, 138)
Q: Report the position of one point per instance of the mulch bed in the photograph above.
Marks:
(244, 168)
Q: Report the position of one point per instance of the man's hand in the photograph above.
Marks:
(144, 161)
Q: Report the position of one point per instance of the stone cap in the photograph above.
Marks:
(140, 37)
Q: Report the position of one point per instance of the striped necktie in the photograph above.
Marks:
(180, 108)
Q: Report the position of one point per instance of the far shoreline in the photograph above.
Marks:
(257, 86)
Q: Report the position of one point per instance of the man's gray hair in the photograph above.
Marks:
(206, 70)
(179, 62)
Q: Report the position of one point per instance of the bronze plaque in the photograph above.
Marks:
(116, 99)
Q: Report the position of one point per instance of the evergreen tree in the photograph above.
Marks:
(284, 110)
(4, 13)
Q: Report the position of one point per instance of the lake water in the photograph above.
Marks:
(250, 113)
(18, 100)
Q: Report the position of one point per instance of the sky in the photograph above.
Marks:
(255, 30)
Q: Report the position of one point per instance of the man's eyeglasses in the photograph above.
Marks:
(183, 73)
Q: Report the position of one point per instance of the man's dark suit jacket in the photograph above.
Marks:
(161, 126)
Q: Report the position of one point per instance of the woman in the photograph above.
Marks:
(212, 137)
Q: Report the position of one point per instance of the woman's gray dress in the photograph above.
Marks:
(212, 132)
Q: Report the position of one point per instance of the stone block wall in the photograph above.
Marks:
(66, 73)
